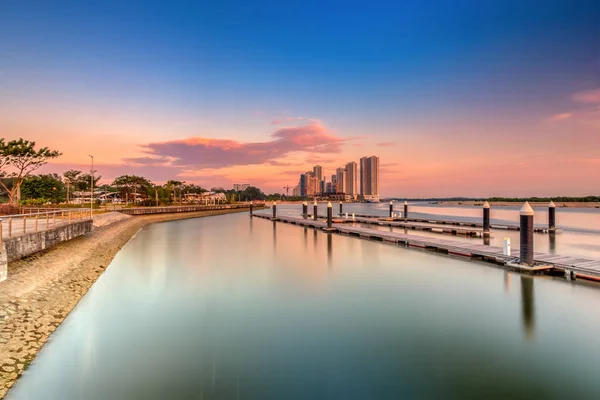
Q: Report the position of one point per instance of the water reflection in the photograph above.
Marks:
(486, 240)
(528, 305)
(552, 240)
(329, 251)
(507, 281)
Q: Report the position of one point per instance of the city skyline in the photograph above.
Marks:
(459, 98)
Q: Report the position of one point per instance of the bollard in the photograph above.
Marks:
(391, 209)
(352, 215)
(304, 209)
(346, 215)
(551, 217)
(251, 205)
(316, 210)
(506, 247)
(341, 212)
(526, 242)
(486, 218)
(405, 209)
(274, 210)
(329, 215)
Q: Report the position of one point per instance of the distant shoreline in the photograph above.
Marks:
(559, 204)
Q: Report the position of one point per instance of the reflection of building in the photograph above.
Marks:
(369, 178)
(351, 183)
(240, 187)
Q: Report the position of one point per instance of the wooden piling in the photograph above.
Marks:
(486, 219)
(551, 217)
(526, 242)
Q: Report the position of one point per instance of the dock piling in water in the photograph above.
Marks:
(341, 206)
(551, 217)
(316, 210)
(304, 209)
(486, 219)
(405, 209)
(526, 216)
(274, 210)
(330, 215)
(391, 209)
(251, 207)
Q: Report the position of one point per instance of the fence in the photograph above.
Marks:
(179, 209)
(20, 224)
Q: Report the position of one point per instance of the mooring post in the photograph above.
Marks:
(274, 210)
(316, 210)
(391, 209)
(551, 217)
(405, 209)
(329, 215)
(486, 219)
(341, 212)
(526, 234)
(304, 209)
(251, 206)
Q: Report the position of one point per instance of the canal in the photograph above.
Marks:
(230, 307)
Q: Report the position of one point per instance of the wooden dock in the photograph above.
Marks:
(510, 227)
(582, 267)
(417, 226)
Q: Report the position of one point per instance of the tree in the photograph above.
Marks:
(70, 179)
(252, 193)
(22, 157)
(82, 183)
(47, 187)
(173, 185)
(129, 184)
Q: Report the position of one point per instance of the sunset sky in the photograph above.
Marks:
(457, 98)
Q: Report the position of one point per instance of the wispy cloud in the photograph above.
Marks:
(386, 144)
(588, 97)
(560, 117)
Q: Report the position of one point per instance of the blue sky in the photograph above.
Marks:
(416, 73)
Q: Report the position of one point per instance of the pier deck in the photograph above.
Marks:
(510, 227)
(584, 268)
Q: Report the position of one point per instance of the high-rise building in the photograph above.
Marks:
(313, 185)
(302, 184)
(341, 180)
(351, 183)
(318, 172)
(369, 178)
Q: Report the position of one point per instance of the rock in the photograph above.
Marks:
(7, 368)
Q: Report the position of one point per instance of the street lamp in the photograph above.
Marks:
(92, 188)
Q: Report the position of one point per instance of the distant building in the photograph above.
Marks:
(240, 187)
(318, 172)
(296, 191)
(313, 186)
(351, 183)
(369, 178)
(340, 174)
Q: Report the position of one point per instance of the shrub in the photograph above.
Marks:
(9, 209)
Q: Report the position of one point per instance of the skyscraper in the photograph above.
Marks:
(318, 172)
(351, 184)
(369, 178)
(341, 180)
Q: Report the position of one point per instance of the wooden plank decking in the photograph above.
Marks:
(581, 266)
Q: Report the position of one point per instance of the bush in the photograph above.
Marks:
(9, 209)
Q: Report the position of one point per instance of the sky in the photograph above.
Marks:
(457, 98)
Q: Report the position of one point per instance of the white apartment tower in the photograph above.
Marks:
(369, 178)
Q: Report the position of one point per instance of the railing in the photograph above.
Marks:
(179, 209)
(21, 224)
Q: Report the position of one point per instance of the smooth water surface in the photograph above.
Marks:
(230, 307)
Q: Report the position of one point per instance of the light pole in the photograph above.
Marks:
(92, 188)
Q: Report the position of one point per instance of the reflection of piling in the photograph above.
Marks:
(526, 216)
(274, 210)
(341, 207)
(405, 209)
(391, 209)
(552, 237)
(316, 210)
(304, 209)
(329, 249)
(329, 215)
(486, 240)
(527, 305)
(551, 217)
(486, 219)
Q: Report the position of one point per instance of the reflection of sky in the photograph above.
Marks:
(225, 313)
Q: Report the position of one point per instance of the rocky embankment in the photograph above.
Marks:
(43, 289)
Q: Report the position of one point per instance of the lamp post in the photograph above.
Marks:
(92, 188)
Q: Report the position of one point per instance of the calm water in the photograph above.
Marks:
(232, 308)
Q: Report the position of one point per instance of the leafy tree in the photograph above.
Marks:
(22, 158)
(70, 179)
(82, 183)
(131, 184)
(45, 188)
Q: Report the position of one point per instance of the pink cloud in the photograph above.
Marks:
(560, 117)
(386, 144)
(198, 152)
(589, 96)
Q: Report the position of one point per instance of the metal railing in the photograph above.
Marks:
(21, 224)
